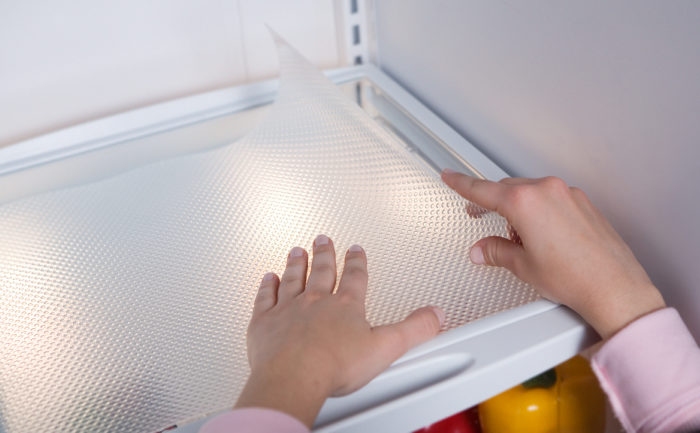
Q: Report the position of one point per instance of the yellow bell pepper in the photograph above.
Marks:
(581, 400)
(566, 399)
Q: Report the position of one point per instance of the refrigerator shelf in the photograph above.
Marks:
(133, 244)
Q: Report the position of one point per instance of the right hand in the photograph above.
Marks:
(308, 341)
(568, 251)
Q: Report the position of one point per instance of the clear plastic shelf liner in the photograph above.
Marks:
(124, 302)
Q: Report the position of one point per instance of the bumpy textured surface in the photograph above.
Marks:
(124, 303)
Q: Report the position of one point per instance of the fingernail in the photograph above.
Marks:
(269, 276)
(448, 171)
(440, 315)
(321, 240)
(477, 255)
(296, 252)
(355, 249)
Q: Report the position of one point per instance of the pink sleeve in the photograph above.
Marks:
(253, 420)
(650, 370)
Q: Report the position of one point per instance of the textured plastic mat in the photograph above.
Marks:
(124, 303)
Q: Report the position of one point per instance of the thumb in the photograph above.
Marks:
(396, 339)
(497, 251)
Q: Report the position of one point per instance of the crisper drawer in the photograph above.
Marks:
(132, 246)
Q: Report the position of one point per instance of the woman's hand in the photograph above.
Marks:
(564, 247)
(306, 343)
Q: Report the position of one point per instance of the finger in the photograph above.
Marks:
(353, 282)
(485, 193)
(497, 251)
(420, 326)
(267, 293)
(294, 276)
(579, 195)
(323, 274)
(517, 181)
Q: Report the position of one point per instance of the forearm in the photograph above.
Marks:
(608, 313)
(299, 395)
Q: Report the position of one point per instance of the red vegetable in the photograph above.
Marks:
(463, 422)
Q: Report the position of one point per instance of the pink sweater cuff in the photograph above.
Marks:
(650, 370)
(254, 420)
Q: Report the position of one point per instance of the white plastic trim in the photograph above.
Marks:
(144, 121)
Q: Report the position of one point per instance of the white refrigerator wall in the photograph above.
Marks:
(603, 94)
(67, 61)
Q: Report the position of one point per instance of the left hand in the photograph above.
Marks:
(306, 343)
(566, 249)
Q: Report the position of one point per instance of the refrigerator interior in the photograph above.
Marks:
(482, 354)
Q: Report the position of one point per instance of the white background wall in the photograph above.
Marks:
(603, 94)
(66, 61)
